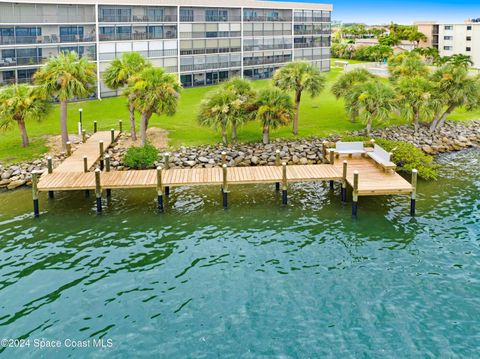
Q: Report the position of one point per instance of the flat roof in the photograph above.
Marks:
(190, 3)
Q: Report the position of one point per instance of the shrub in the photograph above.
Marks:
(141, 157)
(405, 155)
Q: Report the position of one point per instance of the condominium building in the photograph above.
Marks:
(204, 42)
(451, 39)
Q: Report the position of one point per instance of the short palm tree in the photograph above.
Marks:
(155, 92)
(407, 64)
(461, 60)
(242, 95)
(218, 110)
(345, 82)
(119, 73)
(274, 108)
(374, 102)
(414, 96)
(66, 77)
(299, 76)
(20, 103)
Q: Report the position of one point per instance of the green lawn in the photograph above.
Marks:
(321, 116)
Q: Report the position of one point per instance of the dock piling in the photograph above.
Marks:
(36, 210)
(344, 182)
(167, 166)
(355, 195)
(225, 186)
(324, 150)
(284, 184)
(414, 192)
(68, 146)
(120, 126)
(98, 191)
(107, 169)
(84, 136)
(224, 158)
(100, 147)
(159, 189)
(50, 170)
(332, 162)
(85, 170)
(94, 126)
(112, 135)
(277, 163)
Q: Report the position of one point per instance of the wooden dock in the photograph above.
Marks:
(361, 173)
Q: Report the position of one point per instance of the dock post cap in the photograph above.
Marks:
(277, 151)
(107, 156)
(97, 170)
(159, 168)
(284, 163)
(355, 172)
(68, 143)
(224, 153)
(80, 109)
(224, 165)
(414, 170)
(49, 157)
(101, 141)
(345, 161)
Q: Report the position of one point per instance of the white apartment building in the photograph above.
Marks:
(203, 41)
(451, 39)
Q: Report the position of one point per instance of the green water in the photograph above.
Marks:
(257, 280)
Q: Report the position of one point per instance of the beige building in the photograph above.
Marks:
(451, 39)
(203, 41)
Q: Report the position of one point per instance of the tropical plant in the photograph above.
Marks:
(155, 92)
(20, 103)
(141, 157)
(66, 77)
(430, 54)
(344, 84)
(373, 101)
(242, 96)
(407, 64)
(299, 76)
(117, 75)
(414, 96)
(461, 60)
(453, 88)
(274, 108)
(416, 37)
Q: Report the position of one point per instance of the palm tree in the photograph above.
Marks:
(414, 96)
(299, 76)
(374, 101)
(274, 108)
(20, 103)
(461, 60)
(154, 91)
(66, 77)
(119, 73)
(345, 82)
(242, 97)
(408, 64)
(416, 36)
(454, 88)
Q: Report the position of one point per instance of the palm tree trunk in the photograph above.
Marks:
(434, 121)
(143, 128)
(298, 96)
(63, 122)
(444, 116)
(234, 132)
(266, 134)
(416, 117)
(224, 136)
(369, 126)
(23, 133)
(133, 132)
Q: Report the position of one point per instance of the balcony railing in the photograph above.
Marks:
(25, 61)
(45, 39)
(208, 50)
(136, 18)
(267, 60)
(137, 36)
(311, 19)
(203, 18)
(267, 18)
(267, 47)
(210, 66)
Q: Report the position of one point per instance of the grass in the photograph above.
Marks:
(320, 116)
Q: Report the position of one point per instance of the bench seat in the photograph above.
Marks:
(381, 157)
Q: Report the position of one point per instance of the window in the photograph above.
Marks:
(448, 38)
(155, 32)
(216, 15)
(71, 33)
(115, 14)
(468, 49)
(469, 28)
(469, 38)
(154, 14)
(448, 48)
(186, 15)
(448, 27)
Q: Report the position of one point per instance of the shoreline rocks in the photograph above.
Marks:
(453, 136)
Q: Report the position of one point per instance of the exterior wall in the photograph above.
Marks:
(460, 39)
(203, 43)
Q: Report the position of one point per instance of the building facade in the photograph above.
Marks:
(200, 41)
(451, 39)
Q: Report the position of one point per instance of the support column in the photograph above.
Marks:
(159, 189)
(413, 199)
(94, 126)
(36, 210)
(112, 135)
(50, 170)
(332, 162)
(120, 126)
(84, 136)
(100, 149)
(355, 195)
(284, 184)
(167, 167)
(98, 191)
(324, 151)
(107, 169)
(344, 183)
(68, 146)
(225, 186)
(277, 163)
(85, 170)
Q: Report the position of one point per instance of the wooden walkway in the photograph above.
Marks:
(90, 148)
(70, 176)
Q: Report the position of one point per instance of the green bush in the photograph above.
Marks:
(141, 157)
(405, 155)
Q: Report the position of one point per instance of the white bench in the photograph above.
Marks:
(382, 157)
(349, 148)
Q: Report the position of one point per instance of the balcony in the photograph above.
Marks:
(267, 47)
(45, 39)
(260, 18)
(267, 60)
(311, 19)
(210, 66)
(136, 18)
(22, 61)
(138, 36)
(203, 18)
